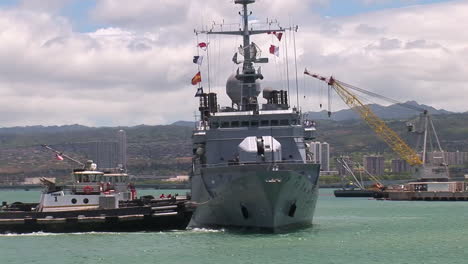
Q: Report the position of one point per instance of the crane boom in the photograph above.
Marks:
(378, 125)
(63, 155)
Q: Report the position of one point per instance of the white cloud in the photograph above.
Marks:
(138, 71)
(43, 5)
(416, 55)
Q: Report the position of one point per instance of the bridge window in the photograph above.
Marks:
(274, 122)
(284, 122)
(214, 124)
(245, 123)
(224, 124)
(254, 123)
(264, 123)
(235, 124)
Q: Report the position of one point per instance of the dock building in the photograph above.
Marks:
(374, 164)
(321, 154)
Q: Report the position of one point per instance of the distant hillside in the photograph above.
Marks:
(166, 150)
(41, 129)
(156, 150)
(394, 111)
(184, 124)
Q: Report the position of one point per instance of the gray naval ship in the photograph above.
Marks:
(251, 165)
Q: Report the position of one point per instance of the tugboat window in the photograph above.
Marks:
(73, 201)
(245, 124)
(224, 124)
(254, 123)
(85, 200)
(264, 123)
(235, 124)
(274, 122)
(214, 125)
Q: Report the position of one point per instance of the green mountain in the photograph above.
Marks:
(394, 111)
(166, 150)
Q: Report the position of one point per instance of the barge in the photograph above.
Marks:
(356, 193)
(145, 214)
(428, 191)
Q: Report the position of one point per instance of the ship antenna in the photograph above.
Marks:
(249, 74)
(294, 30)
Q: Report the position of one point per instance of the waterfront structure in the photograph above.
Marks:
(104, 153)
(251, 166)
(122, 141)
(342, 170)
(37, 180)
(400, 166)
(451, 158)
(325, 156)
(314, 148)
(321, 154)
(374, 164)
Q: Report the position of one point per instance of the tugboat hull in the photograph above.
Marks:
(158, 216)
(262, 196)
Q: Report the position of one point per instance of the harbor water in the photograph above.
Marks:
(345, 230)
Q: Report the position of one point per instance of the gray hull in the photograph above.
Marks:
(263, 196)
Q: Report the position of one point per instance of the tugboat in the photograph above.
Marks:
(88, 186)
(252, 167)
(95, 201)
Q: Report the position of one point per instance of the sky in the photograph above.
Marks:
(126, 63)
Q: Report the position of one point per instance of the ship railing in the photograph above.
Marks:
(237, 163)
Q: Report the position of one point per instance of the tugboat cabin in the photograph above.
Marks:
(96, 182)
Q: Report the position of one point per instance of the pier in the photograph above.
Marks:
(425, 196)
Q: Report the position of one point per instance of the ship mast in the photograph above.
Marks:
(249, 75)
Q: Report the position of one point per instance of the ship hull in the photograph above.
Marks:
(267, 197)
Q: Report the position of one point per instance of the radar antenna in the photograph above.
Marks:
(249, 75)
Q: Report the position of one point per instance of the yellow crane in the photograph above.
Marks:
(377, 124)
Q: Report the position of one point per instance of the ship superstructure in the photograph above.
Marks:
(251, 164)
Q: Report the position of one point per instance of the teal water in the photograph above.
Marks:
(345, 230)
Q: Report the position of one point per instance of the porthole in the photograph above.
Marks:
(85, 200)
(245, 212)
(292, 210)
(73, 201)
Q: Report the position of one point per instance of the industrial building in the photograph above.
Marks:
(321, 154)
(374, 164)
(400, 166)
